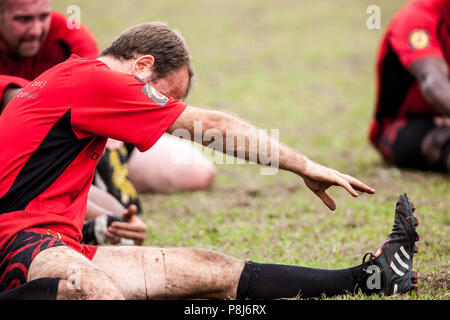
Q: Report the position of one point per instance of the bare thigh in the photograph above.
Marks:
(170, 273)
(170, 165)
(80, 278)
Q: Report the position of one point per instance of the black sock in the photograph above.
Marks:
(273, 281)
(39, 289)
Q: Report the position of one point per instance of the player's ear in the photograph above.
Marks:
(143, 64)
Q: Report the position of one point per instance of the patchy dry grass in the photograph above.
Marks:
(306, 68)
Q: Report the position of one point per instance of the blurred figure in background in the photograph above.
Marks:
(411, 125)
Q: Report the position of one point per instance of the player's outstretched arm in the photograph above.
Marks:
(316, 177)
(432, 74)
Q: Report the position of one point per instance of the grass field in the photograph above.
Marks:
(306, 68)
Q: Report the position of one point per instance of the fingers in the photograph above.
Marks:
(124, 229)
(112, 237)
(116, 236)
(132, 228)
(119, 230)
(333, 177)
(346, 185)
(130, 212)
(326, 199)
(356, 184)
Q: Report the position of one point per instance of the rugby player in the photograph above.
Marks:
(34, 38)
(411, 125)
(52, 134)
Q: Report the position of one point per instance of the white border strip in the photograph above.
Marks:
(404, 252)
(398, 272)
(404, 265)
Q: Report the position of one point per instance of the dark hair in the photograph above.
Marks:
(167, 46)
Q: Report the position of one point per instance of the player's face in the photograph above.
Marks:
(24, 25)
(174, 85)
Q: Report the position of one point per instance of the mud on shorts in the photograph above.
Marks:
(401, 141)
(17, 255)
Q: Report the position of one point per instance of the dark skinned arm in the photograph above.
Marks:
(432, 74)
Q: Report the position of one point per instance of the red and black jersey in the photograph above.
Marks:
(59, 44)
(420, 30)
(54, 131)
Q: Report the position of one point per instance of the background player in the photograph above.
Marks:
(411, 126)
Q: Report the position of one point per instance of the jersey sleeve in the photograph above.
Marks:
(6, 81)
(122, 107)
(414, 36)
(79, 38)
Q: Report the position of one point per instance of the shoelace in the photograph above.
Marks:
(371, 259)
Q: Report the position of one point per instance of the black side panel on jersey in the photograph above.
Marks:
(65, 48)
(395, 84)
(56, 152)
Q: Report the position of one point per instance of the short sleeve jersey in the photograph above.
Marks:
(61, 41)
(54, 131)
(418, 31)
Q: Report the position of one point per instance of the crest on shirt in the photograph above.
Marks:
(419, 39)
(153, 94)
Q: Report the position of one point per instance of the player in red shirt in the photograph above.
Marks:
(27, 49)
(411, 126)
(53, 133)
(33, 39)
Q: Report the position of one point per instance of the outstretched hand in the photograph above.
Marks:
(319, 178)
(132, 228)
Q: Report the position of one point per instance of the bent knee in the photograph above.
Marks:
(69, 289)
(201, 177)
(80, 278)
(433, 144)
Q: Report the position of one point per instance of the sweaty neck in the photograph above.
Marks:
(116, 65)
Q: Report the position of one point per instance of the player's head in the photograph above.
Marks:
(24, 25)
(158, 55)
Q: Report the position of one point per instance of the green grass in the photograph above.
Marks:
(306, 68)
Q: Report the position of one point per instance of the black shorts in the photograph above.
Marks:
(17, 255)
(401, 142)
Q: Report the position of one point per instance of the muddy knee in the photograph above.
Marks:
(80, 278)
